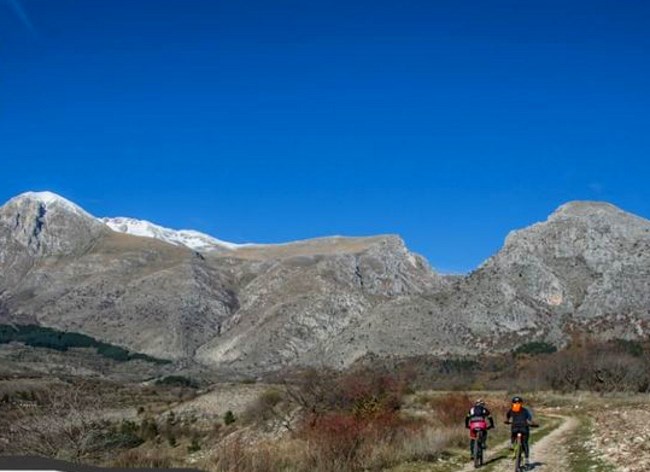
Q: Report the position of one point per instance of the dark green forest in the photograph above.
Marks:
(40, 336)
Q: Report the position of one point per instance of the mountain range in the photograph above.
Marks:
(189, 297)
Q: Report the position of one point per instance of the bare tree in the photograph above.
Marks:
(64, 425)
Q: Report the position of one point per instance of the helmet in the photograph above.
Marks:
(479, 402)
(516, 404)
(517, 400)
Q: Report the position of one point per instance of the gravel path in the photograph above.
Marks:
(547, 455)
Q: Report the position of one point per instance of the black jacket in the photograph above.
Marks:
(520, 420)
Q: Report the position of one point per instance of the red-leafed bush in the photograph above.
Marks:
(363, 411)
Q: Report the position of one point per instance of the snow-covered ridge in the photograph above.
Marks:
(184, 237)
(189, 238)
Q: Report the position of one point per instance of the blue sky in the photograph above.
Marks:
(447, 122)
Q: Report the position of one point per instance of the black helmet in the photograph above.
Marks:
(517, 399)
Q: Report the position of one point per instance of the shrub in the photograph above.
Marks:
(336, 439)
(194, 446)
(138, 458)
(601, 367)
(236, 455)
(458, 366)
(229, 418)
(178, 381)
(633, 348)
(451, 408)
(534, 348)
(264, 407)
(148, 429)
(363, 413)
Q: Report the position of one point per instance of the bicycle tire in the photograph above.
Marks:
(478, 451)
(518, 449)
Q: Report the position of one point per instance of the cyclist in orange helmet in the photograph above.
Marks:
(520, 418)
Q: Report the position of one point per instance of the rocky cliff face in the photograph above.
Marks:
(586, 267)
(38, 225)
(324, 301)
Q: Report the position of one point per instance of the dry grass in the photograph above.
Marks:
(343, 447)
(312, 247)
(152, 458)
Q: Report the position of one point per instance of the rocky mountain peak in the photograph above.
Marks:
(49, 201)
(587, 209)
(47, 224)
(580, 224)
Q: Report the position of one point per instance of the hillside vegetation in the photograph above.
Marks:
(40, 336)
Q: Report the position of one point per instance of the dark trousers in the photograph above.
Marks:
(471, 442)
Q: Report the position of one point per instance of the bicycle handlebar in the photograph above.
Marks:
(532, 425)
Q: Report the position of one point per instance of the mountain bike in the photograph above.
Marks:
(477, 431)
(478, 448)
(518, 451)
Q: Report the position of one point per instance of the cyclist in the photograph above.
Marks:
(520, 418)
(478, 415)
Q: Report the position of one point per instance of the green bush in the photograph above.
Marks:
(148, 429)
(633, 348)
(194, 446)
(458, 366)
(534, 348)
(120, 436)
(178, 381)
(229, 418)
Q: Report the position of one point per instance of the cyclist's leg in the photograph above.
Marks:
(472, 439)
(485, 436)
(524, 442)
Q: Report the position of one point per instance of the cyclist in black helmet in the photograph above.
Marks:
(521, 419)
(480, 414)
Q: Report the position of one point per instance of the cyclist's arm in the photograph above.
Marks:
(529, 416)
(491, 420)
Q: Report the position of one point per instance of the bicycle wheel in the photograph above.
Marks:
(518, 461)
(517, 453)
(478, 451)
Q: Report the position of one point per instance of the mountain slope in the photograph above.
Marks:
(331, 301)
(168, 301)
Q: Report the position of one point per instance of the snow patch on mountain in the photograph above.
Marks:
(185, 237)
(50, 201)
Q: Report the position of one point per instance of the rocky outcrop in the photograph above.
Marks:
(587, 267)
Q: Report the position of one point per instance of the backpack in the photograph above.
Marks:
(479, 411)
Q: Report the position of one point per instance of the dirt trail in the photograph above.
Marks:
(547, 455)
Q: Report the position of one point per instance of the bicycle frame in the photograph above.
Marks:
(518, 452)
